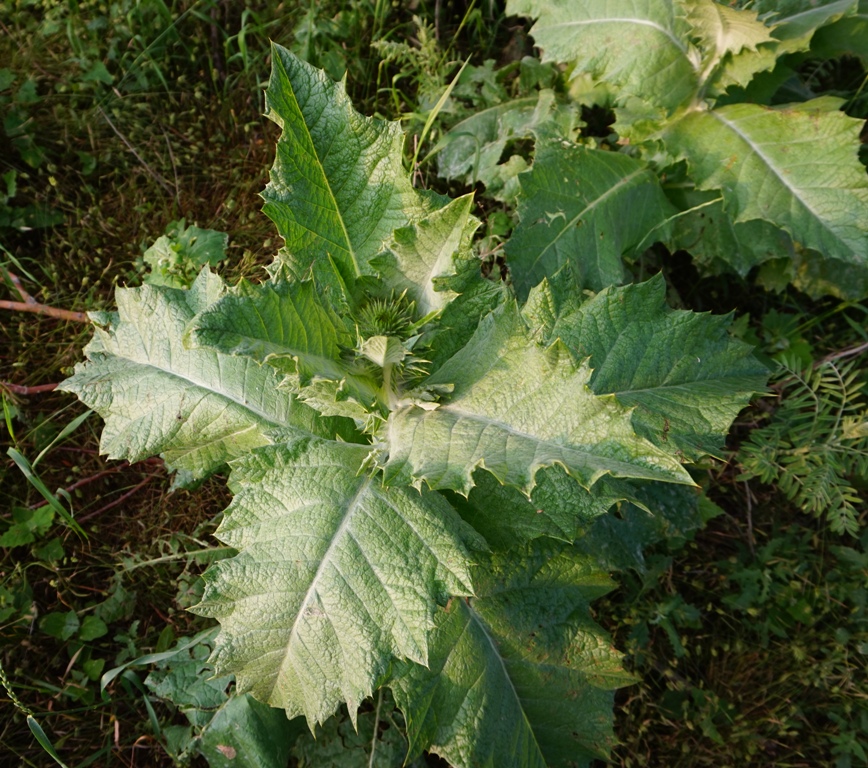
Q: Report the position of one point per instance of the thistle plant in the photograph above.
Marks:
(413, 448)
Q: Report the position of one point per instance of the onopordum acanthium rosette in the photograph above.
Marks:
(357, 395)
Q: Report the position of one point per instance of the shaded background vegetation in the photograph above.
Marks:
(120, 118)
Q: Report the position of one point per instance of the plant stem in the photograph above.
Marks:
(86, 480)
(118, 501)
(18, 389)
(849, 352)
(42, 309)
(29, 304)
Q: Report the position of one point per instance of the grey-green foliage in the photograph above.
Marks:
(176, 257)
(815, 445)
(226, 728)
(710, 164)
(366, 397)
(378, 740)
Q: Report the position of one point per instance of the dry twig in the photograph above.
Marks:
(29, 304)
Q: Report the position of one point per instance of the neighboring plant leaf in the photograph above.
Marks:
(335, 576)
(188, 681)
(376, 741)
(640, 46)
(515, 409)
(473, 149)
(719, 244)
(572, 211)
(60, 625)
(519, 676)
(796, 21)
(794, 166)
(338, 187)
(26, 525)
(178, 256)
(823, 407)
(419, 254)
(685, 377)
(245, 733)
(197, 408)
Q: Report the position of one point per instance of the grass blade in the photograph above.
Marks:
(44, 741)
(64, 433)
(34, 479)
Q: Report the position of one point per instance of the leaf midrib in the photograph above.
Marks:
(635, 470)
(325, 561)
(477, 620)
(326, 182)
(208, 388)
(774, 171)
(620, 20)
(621, 184)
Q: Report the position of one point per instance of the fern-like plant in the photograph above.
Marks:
(413, 452)
(815, 445)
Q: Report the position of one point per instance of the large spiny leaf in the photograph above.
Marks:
(735, 44)
(640, 46)
(198, 408)
(420, 254)
(336, 575)
(519, 676)
(572, 211)
(796, 20)
(558, 507)
(338, 187)
(516, 408)
(686, 378)
(714, 240)
(723, 30)
(794, 166)
(287, 325)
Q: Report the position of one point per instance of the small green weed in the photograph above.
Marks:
(815, 444)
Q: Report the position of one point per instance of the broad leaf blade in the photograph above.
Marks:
(473, 149)
(475, 297)
(705, 229)
(686, 378)
(558, 508)
(520, 676)
(723, 30)
(420, 254)
(517, 408)
(338, 187)
(794, 166)
(640, 46)
(245, 733)
(671, 514)
(735, 44)
(336, 575)
(197, 408)
(572, 211)
(796, 20)
(284, 324)
(847, 36)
